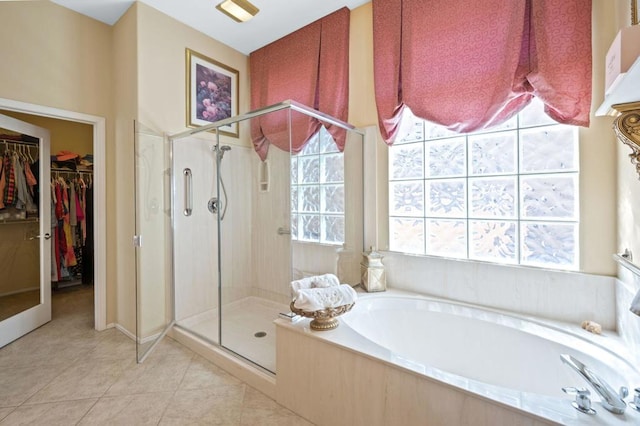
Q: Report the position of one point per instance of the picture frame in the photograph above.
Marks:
(212, 92)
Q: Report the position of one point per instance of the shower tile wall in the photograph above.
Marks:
(271, 252)
(237, 226)
(196, 236)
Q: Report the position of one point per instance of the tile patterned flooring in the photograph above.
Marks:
(66, 373)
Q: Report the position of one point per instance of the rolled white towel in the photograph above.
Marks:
(315, 281)
(315, 299)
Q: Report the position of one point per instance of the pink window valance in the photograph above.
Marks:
(310, 66)
(471, 65)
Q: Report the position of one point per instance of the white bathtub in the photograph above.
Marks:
(496, 357)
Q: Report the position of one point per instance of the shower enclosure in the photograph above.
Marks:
(244, 228)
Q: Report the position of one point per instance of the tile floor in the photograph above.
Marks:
(66, 373)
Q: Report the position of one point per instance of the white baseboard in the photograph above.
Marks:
(24, 290)
(132, 336)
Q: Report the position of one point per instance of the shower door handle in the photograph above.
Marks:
(188, 192)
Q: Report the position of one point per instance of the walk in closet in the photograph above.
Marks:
(71, 237)
(72, 212)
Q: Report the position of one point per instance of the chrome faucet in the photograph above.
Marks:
(611, 400)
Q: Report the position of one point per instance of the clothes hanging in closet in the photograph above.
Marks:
(17, 184)
(69, 207)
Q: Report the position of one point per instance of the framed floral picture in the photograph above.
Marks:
(212, 92)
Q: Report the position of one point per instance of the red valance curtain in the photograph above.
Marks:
(471, 65)
(310, 66)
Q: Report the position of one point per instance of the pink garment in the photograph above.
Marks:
(3, 182)
(70, 256)
(309, 66)
(78, 206)
(470, 66)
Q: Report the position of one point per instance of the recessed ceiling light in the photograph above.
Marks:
(238, 10)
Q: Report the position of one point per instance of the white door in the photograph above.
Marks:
(25, 236)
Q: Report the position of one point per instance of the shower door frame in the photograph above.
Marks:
(213, 127)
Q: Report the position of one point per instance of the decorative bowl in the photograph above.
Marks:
(324, 319)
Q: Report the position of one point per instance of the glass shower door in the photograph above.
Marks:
(195, 235)
(154, 292)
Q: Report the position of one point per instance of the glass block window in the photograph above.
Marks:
(317, 192)
(507, 194)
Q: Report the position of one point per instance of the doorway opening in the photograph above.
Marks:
(94, 126)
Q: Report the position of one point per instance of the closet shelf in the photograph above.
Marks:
(18, 221)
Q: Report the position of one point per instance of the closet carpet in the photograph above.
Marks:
(66, 373)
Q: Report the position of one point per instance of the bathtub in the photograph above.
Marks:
(430, 358)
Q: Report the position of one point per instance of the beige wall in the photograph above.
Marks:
(65, 135)
(598, 162)
(161, 69)
(54, 57)
(58, 58)
(125, 87)
(362, 103)
(160, 84)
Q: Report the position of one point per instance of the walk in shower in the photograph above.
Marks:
(243, 228)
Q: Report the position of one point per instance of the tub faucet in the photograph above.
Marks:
(611, 400)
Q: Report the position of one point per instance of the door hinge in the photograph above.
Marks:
(137, 240)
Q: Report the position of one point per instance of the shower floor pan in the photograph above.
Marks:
(247, 328)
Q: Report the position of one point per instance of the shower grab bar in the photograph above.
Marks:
(626, 259)
(188, 195)
(284, 231)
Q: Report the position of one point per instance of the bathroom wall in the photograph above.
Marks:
(154, 71)
(66, 63)
(125, 86)
(237, 229)
(271, 252)
(564, 296)
(196, 236)
(65, 135)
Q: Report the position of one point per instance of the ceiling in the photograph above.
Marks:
(276, 18)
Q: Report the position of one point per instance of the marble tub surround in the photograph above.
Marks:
(66, 373)
(341, 377)
(558, 295)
